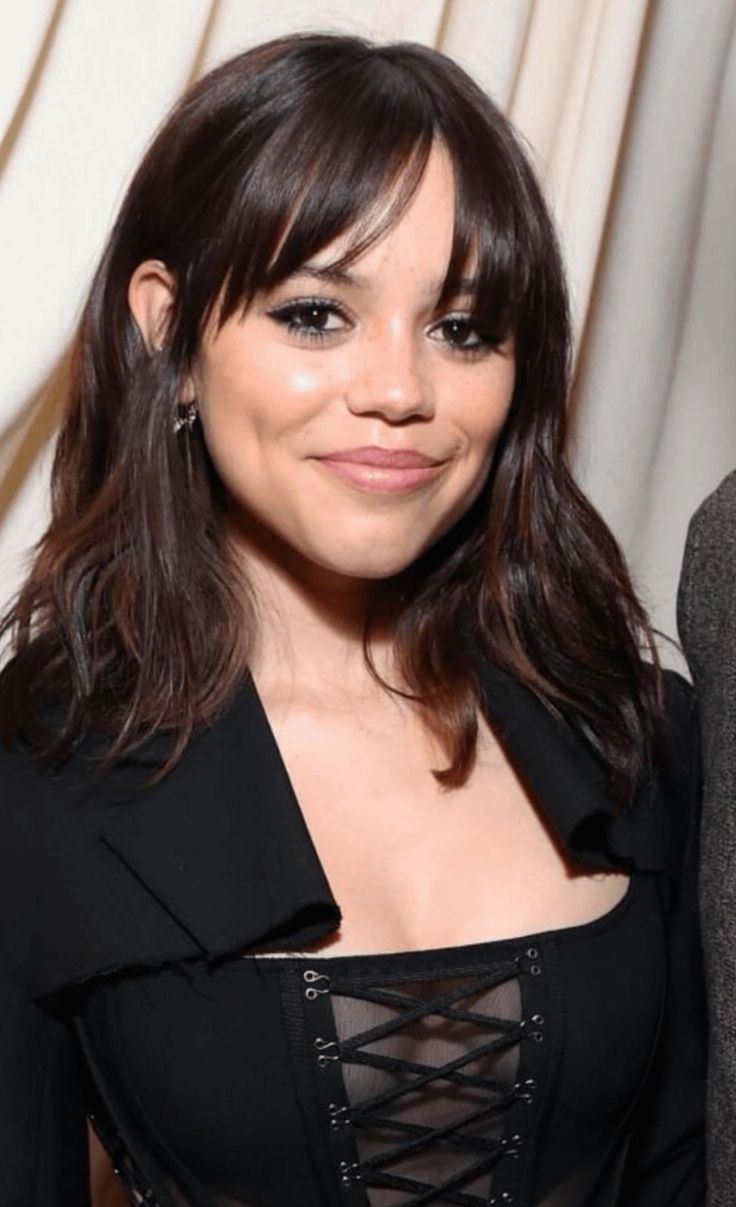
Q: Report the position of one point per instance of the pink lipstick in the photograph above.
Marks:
(383, 470)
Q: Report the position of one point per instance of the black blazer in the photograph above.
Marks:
(101, 876)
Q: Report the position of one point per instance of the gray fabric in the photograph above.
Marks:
(707, 623)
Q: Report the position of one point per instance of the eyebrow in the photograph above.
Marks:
(334, 275)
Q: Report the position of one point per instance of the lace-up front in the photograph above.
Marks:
(499, 1074)
(426, 1067)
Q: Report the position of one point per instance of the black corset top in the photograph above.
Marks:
(495, 1073)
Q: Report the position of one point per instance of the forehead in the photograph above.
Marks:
(418, 242)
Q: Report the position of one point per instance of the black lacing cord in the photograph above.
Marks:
(129, 1177)
(443, 1005)
(425, 1135)
(449, 1191)
(425, 1073)
(420, 1136)
(392, 1064)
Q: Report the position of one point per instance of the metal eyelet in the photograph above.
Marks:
(321, 1044)
(348, 1173)
(532, 953)
(339, 1116)
(310, 976)
(512, 1145)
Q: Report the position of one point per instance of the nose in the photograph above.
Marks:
(391, 380)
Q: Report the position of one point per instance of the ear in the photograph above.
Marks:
(150, 297)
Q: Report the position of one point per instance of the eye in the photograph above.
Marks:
(461, 333)
(311, 318)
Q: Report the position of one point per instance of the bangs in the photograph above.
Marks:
(336, 147)
(496, 242)
(347, 158)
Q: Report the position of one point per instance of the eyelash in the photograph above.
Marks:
(289, 316)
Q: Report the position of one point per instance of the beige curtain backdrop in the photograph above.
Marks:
(629, 110)
(628, 107)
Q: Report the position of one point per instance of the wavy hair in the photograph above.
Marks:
(135, 617)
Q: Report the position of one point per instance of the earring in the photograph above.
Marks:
(186, 416)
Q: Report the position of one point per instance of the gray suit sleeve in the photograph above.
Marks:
(707, 623)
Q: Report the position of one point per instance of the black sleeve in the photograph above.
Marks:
(43, 1135)
(666, 1166)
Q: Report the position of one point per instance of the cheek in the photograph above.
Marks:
(253, 401)
(484, 412)
(477, 412)
(257, 391)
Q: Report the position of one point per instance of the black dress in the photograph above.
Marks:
(563, 1069)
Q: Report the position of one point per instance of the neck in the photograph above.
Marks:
(311, 621)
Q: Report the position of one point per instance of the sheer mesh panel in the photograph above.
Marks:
(430, 1069)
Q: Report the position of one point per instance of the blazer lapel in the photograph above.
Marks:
(221, 842)
(222, 845)
(104, 874)
(569, 783)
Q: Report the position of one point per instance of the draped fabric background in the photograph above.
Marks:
(629, 109)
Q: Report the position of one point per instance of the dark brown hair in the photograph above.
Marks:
(134, 618)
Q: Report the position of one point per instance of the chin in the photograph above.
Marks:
(369, 564)
(368, 554)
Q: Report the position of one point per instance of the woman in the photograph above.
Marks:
(347, 838)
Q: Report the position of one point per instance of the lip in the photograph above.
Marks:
(383, 471)
(383, 458)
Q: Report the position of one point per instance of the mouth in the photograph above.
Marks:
(383, 471)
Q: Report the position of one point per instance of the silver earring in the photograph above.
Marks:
(186, 416)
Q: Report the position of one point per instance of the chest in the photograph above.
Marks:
(413, 864)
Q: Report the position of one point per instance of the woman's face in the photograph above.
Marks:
(345, 414)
